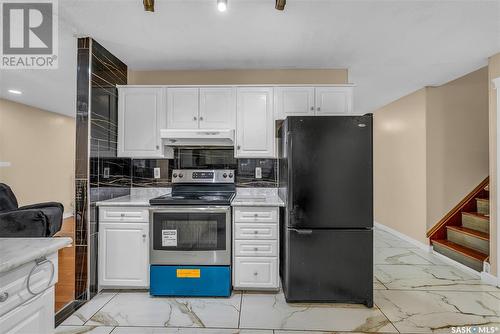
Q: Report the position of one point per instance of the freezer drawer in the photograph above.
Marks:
(328, 266)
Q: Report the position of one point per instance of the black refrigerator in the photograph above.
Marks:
(326, 235)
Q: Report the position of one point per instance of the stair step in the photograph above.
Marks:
(469, 238)
(476, 221)
(483, 206)
(469, 257)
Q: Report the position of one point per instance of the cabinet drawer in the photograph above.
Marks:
(14, 283)
(35, 316)
(256, 231)
(256, 272)
(256, 248)
(123, 214)
(256, 214)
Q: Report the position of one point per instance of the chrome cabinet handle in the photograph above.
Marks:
(255, 273)
(318, 109)
(4, 296)
(144, 236)
(256, 215)
(122, 214)
(255, 232)
(312, 108)
(201, 118)
(194, 118)
(157, 147)
(256, 249)
(238, 147)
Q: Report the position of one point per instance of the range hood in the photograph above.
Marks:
(197, 137)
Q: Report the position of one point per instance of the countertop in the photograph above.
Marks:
(244, 197)
(257, 197)
(14, 252)
(137, 197)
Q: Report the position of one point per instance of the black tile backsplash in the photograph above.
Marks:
(189, 158)
(143, 172)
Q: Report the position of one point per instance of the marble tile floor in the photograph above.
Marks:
(414, 291)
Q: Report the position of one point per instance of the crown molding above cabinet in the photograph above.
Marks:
(249, 110)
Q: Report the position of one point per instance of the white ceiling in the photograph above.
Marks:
(391, 48)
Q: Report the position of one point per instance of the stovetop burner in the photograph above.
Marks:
(199, 187)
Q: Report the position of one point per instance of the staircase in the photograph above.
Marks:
(464, 234)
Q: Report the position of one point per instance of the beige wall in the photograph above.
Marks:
(457, 141)
(399, 146)
(242, 77)
(493, 72)
(430, 151)
(40, 146)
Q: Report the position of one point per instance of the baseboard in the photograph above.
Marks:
(400, 235)
(456, 264)
(487, 278)
(490, 279)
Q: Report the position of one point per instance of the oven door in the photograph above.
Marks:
(185, 235)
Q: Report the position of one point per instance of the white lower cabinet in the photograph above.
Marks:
(123, 254)
(255, 248)
(256, 272)
(35, 316)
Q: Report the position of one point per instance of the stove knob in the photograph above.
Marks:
(174, 175)
(181, 175)
(224, 175)
(230, 175)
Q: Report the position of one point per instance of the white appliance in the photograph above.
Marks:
(197, 137)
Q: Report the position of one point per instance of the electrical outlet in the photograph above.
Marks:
(105, 173)
(156, 172)
(258, 173)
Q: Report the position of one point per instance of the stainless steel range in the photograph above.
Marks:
(190, 248)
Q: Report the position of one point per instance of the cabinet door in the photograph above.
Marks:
(293, 101)
(36, 316)
(182, 110)
(333, 100)
(123, 255)
(140, 117)
(254, 123)
(256, 272)
(217, 108)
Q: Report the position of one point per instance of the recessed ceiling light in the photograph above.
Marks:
(149, 5)
(15, 91)
(222, 5)
(280, 4)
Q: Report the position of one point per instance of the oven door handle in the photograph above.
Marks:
(185, 209)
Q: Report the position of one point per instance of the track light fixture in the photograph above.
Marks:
(149, 5)
(222, 5)
(280, 4)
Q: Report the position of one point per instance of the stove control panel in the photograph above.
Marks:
(203, 176)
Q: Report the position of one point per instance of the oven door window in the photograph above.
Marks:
(189, 231)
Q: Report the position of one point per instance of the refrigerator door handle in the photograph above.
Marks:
(303, 232)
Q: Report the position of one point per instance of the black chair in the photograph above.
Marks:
(36, 220)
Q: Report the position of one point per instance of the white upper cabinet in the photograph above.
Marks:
(201, 108)
(254, 123)
(140, 118)
(217, 108)
(333, 101)
(182, 110)
(293, 101)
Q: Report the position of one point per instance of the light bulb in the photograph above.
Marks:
(222, 5)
